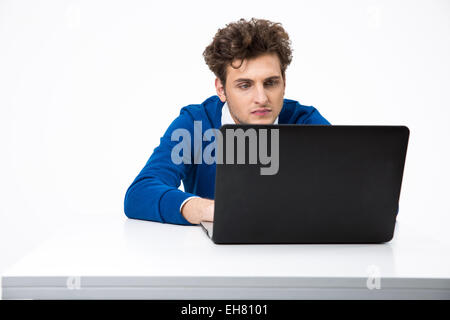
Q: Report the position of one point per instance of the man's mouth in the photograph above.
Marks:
(261, 111)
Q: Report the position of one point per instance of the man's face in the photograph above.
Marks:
(255, 91)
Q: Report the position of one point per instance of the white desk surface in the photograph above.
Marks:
(118, 258)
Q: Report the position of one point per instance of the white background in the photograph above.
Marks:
(88, 87)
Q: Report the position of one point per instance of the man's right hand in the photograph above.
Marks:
(196, 210)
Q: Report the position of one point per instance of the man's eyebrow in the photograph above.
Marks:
(250, 80)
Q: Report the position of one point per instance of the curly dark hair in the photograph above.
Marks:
(246, 40)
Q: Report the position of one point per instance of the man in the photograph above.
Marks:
(249, 59)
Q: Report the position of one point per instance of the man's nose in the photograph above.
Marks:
(261, 96)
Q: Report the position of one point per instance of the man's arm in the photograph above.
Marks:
(154, 194)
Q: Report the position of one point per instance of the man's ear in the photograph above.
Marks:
(220, 90)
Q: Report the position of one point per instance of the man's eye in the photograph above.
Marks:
(269, 83)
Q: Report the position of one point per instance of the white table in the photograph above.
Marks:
(117, 258)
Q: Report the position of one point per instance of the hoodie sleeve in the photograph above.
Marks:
(154, 194)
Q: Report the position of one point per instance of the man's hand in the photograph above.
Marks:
(197, 210)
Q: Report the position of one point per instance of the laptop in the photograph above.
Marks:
(332, 184)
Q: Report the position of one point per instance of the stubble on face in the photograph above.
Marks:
(257, 85)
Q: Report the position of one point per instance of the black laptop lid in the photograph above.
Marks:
(334, 184)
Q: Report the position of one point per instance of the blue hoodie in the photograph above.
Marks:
(154, 194)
